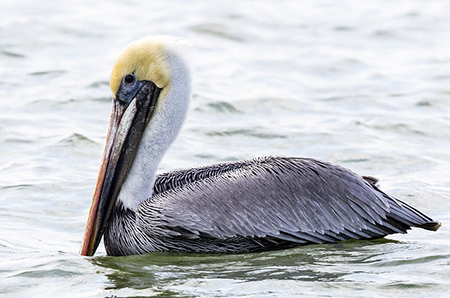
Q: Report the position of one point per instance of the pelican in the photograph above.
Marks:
(266, 203)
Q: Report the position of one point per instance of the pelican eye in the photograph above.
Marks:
(129, 79)
(128, 89)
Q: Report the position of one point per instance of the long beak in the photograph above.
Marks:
(126, 127)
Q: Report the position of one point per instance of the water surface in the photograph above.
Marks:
(364, 85)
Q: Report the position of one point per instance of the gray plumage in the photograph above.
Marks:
(255, 205)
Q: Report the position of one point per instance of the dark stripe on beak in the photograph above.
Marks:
(126, 127)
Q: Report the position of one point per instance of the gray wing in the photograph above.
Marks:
(170, 180)
(281, 199)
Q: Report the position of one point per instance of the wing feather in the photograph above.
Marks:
(282, 199)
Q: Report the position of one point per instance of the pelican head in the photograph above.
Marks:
(150, 84)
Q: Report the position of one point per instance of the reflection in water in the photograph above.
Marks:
(308, 263)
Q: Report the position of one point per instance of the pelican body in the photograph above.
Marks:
(253, 205)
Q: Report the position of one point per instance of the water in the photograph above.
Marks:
(362, 85)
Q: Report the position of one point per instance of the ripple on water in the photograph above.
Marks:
(218, 107)
(75, 140)
(222, 30)
(12, 54)
(254, 132)
(412, 260)
(48, 73)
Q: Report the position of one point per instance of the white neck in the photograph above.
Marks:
(161, 131)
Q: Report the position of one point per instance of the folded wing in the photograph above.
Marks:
(273, 201)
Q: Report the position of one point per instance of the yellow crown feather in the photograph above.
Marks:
(147, 59)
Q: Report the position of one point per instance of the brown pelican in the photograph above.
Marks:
(253, 205)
